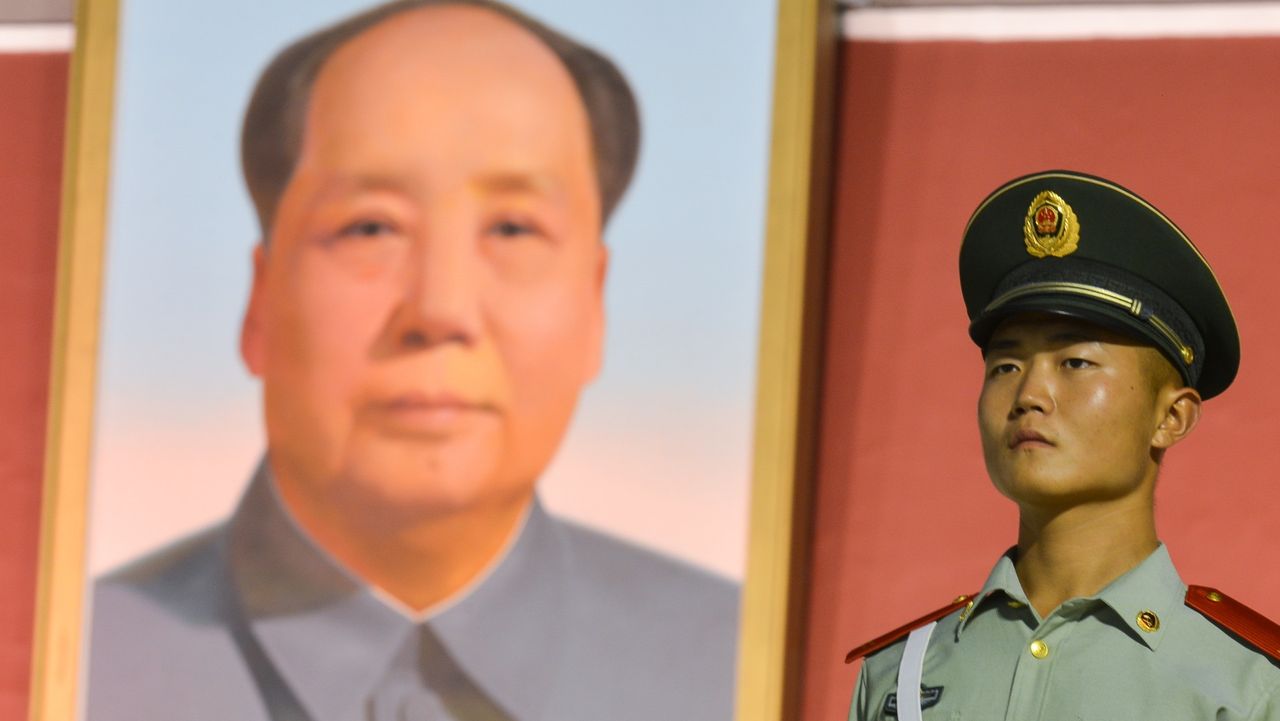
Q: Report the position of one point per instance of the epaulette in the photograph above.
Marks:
(1259, 631)
(889, 638)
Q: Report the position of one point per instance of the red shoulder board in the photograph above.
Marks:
(889, 638)
(1237, 618)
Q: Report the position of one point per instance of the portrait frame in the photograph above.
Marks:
(788, 359)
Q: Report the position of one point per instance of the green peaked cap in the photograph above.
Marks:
(1067, 243)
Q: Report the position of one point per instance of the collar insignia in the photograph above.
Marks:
(1051, 227)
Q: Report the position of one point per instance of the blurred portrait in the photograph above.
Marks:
(432, 183)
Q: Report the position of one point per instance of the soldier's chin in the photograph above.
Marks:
(1050, 493)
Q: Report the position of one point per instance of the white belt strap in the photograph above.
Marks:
(911, 673)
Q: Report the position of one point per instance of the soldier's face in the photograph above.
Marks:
(429, 305)
(1068, 412)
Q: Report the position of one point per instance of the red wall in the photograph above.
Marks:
(906, 518)
(32, 106)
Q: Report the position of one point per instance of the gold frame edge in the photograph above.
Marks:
(60, 585)
(788, 369)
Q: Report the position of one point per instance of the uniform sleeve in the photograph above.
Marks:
(858, 709)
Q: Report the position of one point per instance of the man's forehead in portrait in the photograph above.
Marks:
(275, 121)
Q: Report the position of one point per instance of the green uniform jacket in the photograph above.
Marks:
(1092, 659)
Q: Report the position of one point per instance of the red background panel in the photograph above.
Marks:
(33, 92)
(905, 516)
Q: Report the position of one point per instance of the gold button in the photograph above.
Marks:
(1039, 649)
(1015, 604)
(961, 597)
(1214, 596)
(1148, 621)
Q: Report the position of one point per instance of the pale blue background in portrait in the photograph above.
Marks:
(659, 450)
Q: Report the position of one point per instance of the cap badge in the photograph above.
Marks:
(1051, 228)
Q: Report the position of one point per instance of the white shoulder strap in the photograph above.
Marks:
(911, 673)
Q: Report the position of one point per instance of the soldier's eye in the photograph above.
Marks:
(1076, 363)
(1000, 369)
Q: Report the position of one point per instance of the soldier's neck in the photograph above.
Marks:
(1077, 551)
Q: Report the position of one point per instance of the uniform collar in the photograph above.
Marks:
(1001, 583)
(503, 631)
(1152, 587)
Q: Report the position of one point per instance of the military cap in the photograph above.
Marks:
(1067, 243)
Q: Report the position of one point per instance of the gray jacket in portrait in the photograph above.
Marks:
(251, 621)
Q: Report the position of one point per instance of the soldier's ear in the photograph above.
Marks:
(252, 328)
(1181, 408)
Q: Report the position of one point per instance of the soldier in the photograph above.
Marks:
(1102, 329)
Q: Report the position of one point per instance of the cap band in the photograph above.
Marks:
(1132, 305)
(1103, 294)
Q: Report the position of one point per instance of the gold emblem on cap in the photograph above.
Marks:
(1148, 621)
(1051, 227)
